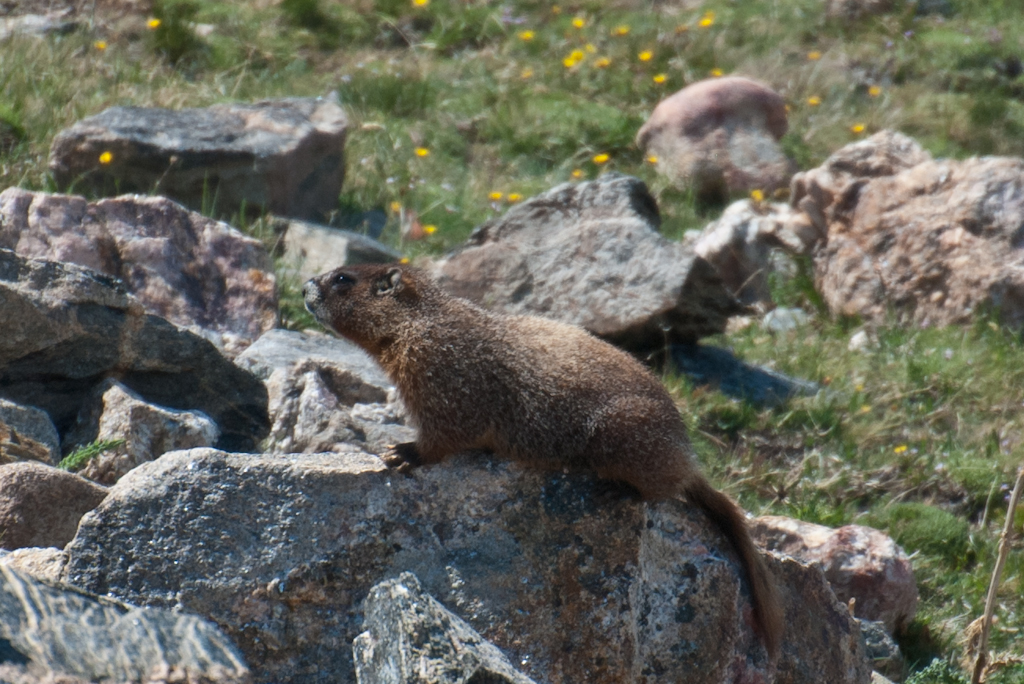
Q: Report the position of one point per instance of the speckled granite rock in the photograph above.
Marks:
(282, 550)
(411, 638)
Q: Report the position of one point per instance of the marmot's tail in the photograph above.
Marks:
(730, 519)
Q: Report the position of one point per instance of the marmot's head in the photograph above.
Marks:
(368, 304)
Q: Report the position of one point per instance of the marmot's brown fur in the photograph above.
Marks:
(530, 389)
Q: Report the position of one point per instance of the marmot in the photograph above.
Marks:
(530, 389)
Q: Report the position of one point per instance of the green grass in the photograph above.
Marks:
(919, 434)
(78, 458)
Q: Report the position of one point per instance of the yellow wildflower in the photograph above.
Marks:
(865, 409)
(757, 195)
(652, 159)
(514, 197)
(814, 55)
(100, 45)
(589, 47)
(901, 449)
(495, 196)
(569, 62)
(420, 3)
(717, 73)
(645, 56)
(526, 35)
(859, 387)
(403, 260)
(153, 23)
(422, 152)
(814, 100)
(396, 207)
(621, 30)
(874, 91)
(708, 19)
(430, 229)
(106, 158)
(579, 22)
(577, 173)
(857, 128)
(659, 78)
(577, 55)
(602, 62)
(601, 158)
(526, 73)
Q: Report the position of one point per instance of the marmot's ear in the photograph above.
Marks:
(391, 283)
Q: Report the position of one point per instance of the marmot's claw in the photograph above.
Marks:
(401, 457)
(390, 458)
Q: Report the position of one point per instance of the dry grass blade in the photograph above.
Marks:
(980, 664)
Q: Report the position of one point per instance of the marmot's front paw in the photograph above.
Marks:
(401, 457)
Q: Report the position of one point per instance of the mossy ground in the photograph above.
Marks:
(919, 435)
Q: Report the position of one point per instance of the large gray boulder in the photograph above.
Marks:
(50, 634)
(196, 272)
(285, 156)
(590, 254)
(411, 638)
(281, 551)
(68, 328)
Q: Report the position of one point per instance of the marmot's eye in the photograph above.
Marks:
(344, 279)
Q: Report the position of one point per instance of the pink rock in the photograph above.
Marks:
(191, 270)
(931, 241)
(859, 562)
(720, 133)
